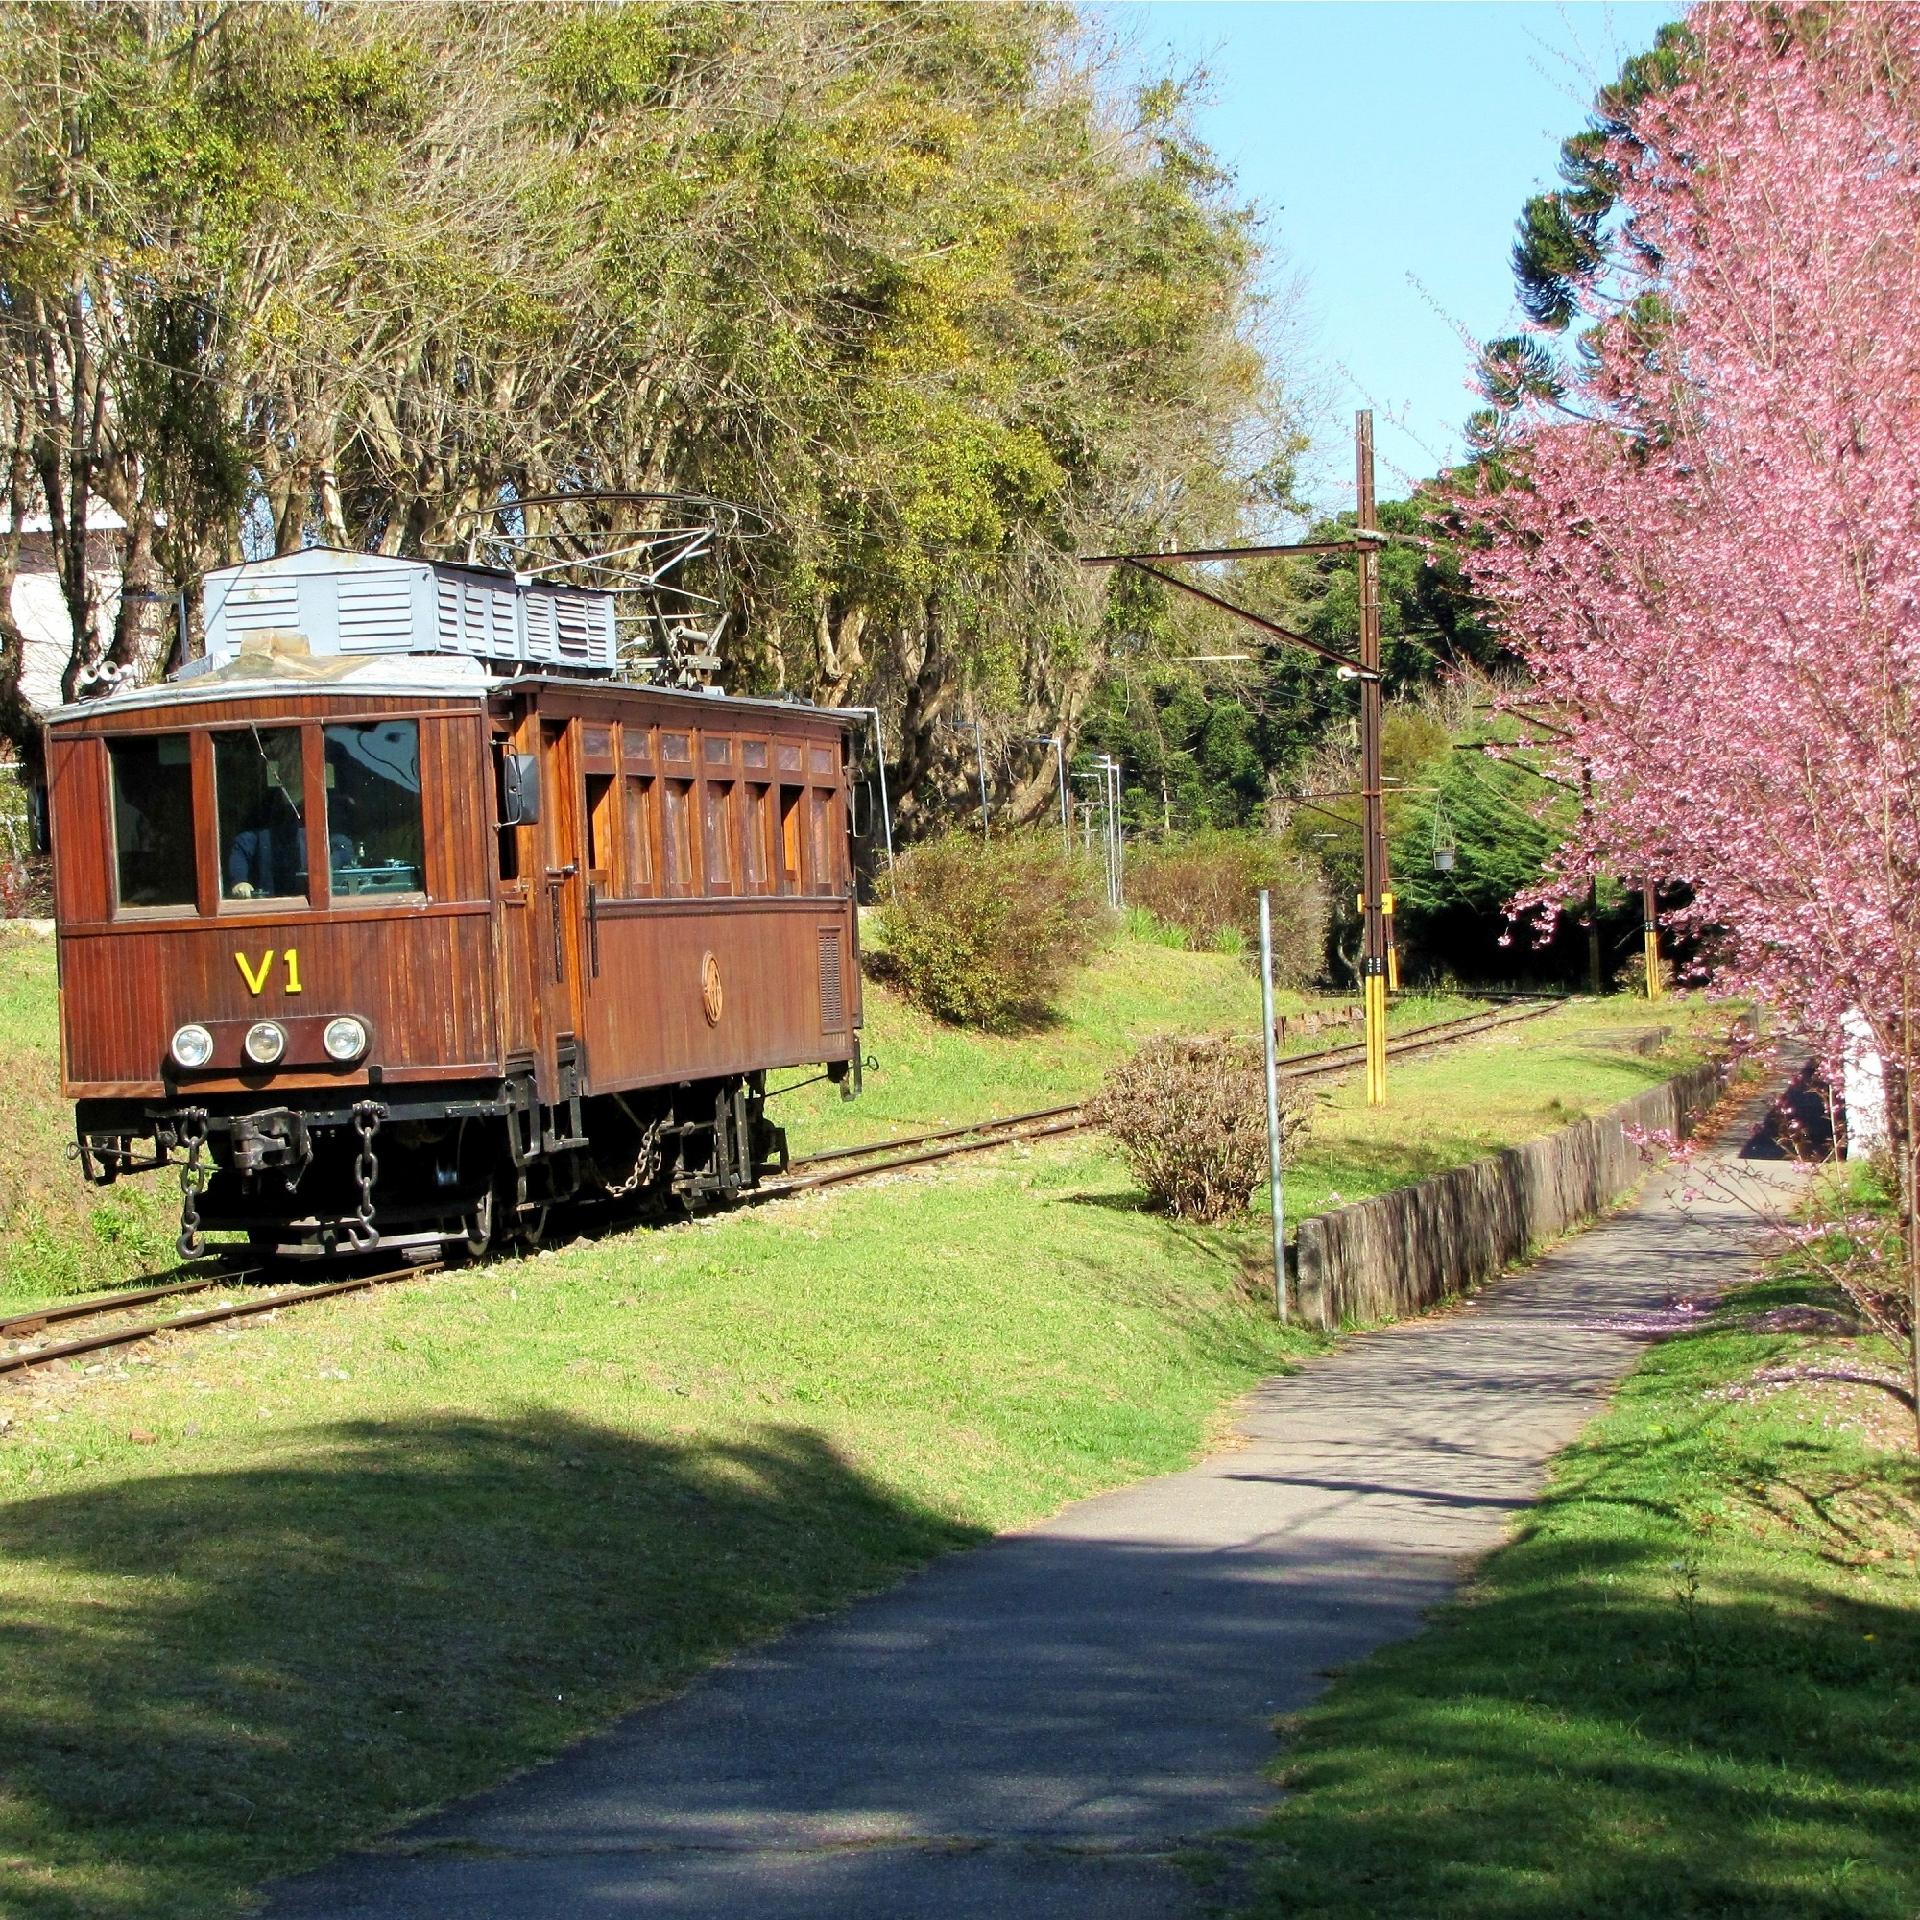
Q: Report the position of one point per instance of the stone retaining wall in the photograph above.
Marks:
(1404, 1251)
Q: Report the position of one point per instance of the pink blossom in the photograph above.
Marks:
(1710, 563)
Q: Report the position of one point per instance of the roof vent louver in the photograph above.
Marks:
(349, 603)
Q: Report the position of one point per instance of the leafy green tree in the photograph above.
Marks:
(914, 280)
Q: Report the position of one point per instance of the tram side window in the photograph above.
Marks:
(717, 835)
(375, 842)
(758, 833)
(639, 834)
(153, 820)
(259, 789)
(676, 834)
(790, 798)
(825, 867)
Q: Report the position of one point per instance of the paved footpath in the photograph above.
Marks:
(1029, 1731)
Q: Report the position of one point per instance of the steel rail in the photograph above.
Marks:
(925, 1139)
(1436, 1033)
(210, 1316)
(18, 1324)
(807, 1182)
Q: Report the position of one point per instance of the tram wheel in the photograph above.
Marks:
(480, 1225)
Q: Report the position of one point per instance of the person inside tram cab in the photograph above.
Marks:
(266, 855)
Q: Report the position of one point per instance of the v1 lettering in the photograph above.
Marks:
(256, 981)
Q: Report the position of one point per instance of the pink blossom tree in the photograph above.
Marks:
(1706, 546)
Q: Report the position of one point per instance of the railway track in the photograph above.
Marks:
(110, 1328)
(106, 1324)
(946, 1143)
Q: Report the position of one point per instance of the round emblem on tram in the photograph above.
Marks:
(710, 995)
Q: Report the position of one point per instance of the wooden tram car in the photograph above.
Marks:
(398, 917)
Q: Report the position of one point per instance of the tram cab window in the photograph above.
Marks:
(374, 837)
(603, 831)
(153, 820)
(260, 792)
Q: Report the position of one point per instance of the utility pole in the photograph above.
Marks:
(1376, 903)
(1379, 962)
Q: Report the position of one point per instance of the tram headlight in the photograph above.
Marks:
(192, 1045)
(345, 1039)
(266, 1041)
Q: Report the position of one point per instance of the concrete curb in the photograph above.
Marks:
(1408, 1250)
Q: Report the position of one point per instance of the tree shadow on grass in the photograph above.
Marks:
(214, 1675)
(1592, 1736)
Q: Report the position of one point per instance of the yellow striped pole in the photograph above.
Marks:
(1650, 915)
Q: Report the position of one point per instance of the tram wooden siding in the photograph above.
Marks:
(665, 895)
(418, 977)
(648, 1004)
(458, 984)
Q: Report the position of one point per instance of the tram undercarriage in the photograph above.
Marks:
(478, 1166)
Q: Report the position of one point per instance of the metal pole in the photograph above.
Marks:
(1106, 823)
(1066, 817)
(1650, 913)
(1119, 845)
(1595, 984)
(1275, 1191)
(880, 762)
(980, 760)
(1106, 801)
(1373, 882)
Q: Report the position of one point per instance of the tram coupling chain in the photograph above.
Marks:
(191, 1131)
(367, 1116)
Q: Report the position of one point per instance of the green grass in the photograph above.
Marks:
(1690, 1687)
(57, 1235)
(267, 1591)
(270, 1593)
(1445, 1109)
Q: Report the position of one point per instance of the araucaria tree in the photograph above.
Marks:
(1706, 538)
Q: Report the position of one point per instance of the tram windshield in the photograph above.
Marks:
(260, 790)
(374, 837)
(153, 820)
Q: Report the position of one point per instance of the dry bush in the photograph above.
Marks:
(986, 933)
(1209, 887)
(1190, 1118)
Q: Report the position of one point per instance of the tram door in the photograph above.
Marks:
(562, 885)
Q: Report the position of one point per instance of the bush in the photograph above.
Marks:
(986, 933)
(1209, 887)
(1190, 1119)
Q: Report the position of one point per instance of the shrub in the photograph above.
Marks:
(985, 933)
(1190, 1119)
(1209, 887)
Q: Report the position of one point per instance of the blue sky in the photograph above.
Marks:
(1389, 146)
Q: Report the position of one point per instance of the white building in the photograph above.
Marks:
(39, 608)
